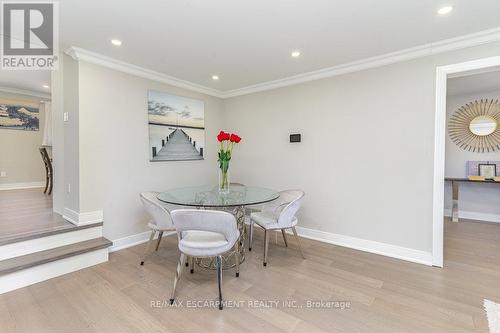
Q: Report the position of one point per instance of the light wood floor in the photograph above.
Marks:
(25, 213)
(386, 295)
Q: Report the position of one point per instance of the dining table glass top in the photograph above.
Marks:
(209, 196)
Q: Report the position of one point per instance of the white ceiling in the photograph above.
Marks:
(476, 83)
(249, 42)
(31, 81)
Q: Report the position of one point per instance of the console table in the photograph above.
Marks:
(454, 189)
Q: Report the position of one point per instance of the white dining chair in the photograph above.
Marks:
(205, 233)
(160, 222)
(278, 215)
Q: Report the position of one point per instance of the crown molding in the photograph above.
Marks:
(25, 92)
(482, 37)
(80, 54)
(456, 43)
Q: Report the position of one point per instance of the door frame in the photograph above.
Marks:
(443, 73)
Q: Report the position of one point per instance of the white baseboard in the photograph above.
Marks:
(394, 251)
(133, 240)
(51, 270)
(20, 186)
(389, 250)
(83, 218)
(474, 216)
(49, 242)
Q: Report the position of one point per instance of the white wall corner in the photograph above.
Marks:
(83, 218)
(389, 250)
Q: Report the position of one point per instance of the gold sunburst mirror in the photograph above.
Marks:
(475, 126)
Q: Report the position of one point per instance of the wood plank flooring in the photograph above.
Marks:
(385, 294)
(27, 213)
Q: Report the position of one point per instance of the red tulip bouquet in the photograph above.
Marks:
(227, 142)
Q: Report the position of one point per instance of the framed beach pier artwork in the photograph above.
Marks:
(19, 115)
(176, 127)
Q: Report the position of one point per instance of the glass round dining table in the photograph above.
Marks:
(234, 201)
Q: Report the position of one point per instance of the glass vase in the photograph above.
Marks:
(224, 177)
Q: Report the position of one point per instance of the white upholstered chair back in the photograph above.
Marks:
(206, 220)
(285, 207)
(156, 209)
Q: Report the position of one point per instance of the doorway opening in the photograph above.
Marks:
(26, 172)
(453, 84)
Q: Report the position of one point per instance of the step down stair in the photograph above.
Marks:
(24, 270)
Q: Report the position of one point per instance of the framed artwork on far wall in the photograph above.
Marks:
(176, 127)
(488, 171)
(19, 115)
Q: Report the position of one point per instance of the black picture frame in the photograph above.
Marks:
(486, 170)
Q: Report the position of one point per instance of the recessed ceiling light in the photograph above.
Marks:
(295, 54)
(46, 86)
(215, 77)
(116, 42)
(445, 10)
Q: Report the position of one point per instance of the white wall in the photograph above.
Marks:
(72, 133)
(114, 152)
(366, 160)
(479, 199)
(19, 154)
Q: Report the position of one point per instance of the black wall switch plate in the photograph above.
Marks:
(294, 137)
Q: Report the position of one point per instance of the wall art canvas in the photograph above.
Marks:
(176, 127)
(19, 115)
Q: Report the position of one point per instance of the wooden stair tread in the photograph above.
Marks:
(42, 257)
(44, 233)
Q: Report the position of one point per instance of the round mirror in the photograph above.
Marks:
(483, 125)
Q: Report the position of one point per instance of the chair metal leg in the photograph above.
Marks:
(266, 245)
(250, 236)
(237, 258)
(219, 279)
(178, 272)
(148, 248)
(160, 235)
(284, 237)
(51, 182)
(298, 242)
(191, 263)
(46, 180)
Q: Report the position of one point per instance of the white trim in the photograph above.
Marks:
(48, 242)
(25, 92)
(442, 74)
(133, 240)
(461, 42)
(20, 186)
(51, 270)
(102, 60)
(83, 218)
(389, 250)
(482, 37)
(464, 214)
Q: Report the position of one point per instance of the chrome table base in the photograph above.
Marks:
(228, 259)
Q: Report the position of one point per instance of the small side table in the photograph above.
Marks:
(455, 191)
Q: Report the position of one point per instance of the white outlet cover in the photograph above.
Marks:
(65, 116)
(3, 174)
